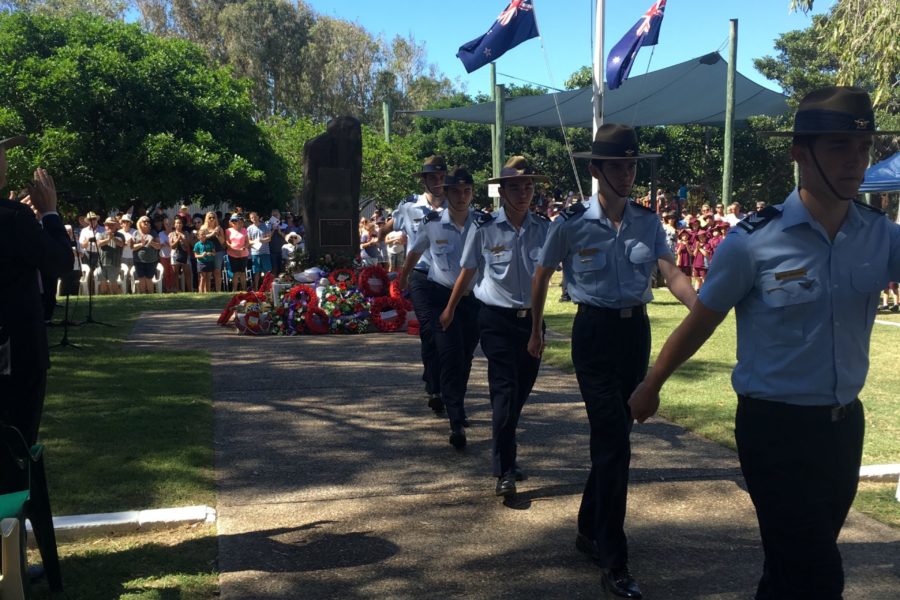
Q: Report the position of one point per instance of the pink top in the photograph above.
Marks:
(237, 238)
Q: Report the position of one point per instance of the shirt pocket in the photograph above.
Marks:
(498, 263)
(867, 286)
(792, 306)
(642, 257)
(441, 253)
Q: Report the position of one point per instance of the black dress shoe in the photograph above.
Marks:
(458, 437)
(506, 485)
(435, 403)
(618, 583)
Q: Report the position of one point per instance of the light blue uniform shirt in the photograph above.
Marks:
(443, 240)
(506, 259)
(605, 267)
(408, 218)
(804, 304)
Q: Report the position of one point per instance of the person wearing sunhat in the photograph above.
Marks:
(502, 252)
(87, 240)
(442, 235)
(408, 218)
(33, 242)
(110, 244)
(609, 248)
(803, 278)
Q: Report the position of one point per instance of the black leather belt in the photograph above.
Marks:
(621, 313)
(835, 413)
(519, 313)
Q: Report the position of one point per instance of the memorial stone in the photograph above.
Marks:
(332, 169)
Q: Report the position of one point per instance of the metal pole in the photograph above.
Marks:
(653, 185)
(729, 115)
(495, 154)
(598, 76)
(500, 124)
(386, 112)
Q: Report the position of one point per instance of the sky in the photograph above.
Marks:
(690, 29)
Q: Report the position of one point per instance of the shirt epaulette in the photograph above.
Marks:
(482, 218)
(412, 198)
(434, 215)
(865, 206)
(641, 206)
(575, 209)
(757, 220)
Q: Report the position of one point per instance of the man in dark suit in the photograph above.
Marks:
(33, 243)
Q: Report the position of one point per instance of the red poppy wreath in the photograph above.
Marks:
(388, 314)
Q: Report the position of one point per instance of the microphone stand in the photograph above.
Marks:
(89, 320)
(64, 342)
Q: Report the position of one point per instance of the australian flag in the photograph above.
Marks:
(644, 33)
(514, 25)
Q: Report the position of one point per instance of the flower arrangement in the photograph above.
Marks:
(388, 314)
(373, 282)
(316, 321)
(342, 302)
(344, 278)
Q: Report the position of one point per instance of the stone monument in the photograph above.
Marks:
(332, 169)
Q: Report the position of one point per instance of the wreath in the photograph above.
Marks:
(349, 324)
(235, 301)
(340, 302)
(397, 294)
(342, 277)
(316, 321)
(303, 295)
(373, 282)
(252, 318)
(388, 314)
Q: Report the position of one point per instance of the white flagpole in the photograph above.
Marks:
(598, 75)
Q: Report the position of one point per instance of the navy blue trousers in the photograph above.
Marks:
(420, 293)
(802, 471)
(511, 375)
(455, 347)
(610, 355)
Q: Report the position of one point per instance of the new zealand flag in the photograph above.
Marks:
(514, 25)
(644, 33)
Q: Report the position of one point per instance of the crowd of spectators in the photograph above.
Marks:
(177, 251)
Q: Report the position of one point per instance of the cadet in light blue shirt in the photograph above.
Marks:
(443, 234)
(609, 250)
(408, 217)
(804, 278)
(502, 252)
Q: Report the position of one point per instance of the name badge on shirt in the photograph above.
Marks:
(498, 249)
(441, 241)
(788, 275)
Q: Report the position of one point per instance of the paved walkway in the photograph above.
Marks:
(336, 481)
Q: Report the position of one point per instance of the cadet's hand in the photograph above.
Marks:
(536, 344)
(403, 282)
(644, 402)
(446, 319)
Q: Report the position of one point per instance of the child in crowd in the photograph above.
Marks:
(702, 254)
(893, 289)
(683, 256)
(205, 253)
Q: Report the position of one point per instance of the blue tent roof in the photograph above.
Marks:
(883, 176)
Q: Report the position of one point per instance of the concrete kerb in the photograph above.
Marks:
(79, 527)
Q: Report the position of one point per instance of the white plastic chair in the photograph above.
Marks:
(122, 279)
(132, 278)
(11, 579)
(158, 280)
(83, 282)
(98, 273)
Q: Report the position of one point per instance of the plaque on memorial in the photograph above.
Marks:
(335, 232)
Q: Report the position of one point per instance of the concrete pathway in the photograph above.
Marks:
(336, 481)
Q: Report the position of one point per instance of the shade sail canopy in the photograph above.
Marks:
(883, 176)
(692, 92)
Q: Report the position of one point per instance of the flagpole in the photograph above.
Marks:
(598, 75)
(729, 114)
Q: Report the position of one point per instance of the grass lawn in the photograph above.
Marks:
(699, 396)
(130, 430)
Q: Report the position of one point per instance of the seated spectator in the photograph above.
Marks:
(110, 242)
(291, 241)
(126, 228)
